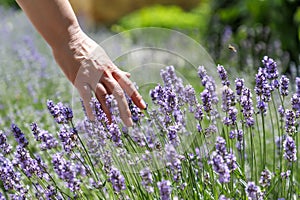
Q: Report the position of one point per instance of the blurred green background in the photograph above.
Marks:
(238, 33)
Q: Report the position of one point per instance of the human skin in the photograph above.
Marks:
(83, 61)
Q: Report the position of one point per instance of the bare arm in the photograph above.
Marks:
(82, 60)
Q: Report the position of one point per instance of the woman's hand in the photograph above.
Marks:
(90, 70)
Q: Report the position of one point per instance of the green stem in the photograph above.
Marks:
(259, 136)
(264, 142)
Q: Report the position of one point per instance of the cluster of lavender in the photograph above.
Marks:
(223, 162)
(92, 167)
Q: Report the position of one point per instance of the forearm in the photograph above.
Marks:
(54, 19)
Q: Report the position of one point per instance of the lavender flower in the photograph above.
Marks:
(223, 75)
(2, 197)
(10, 178)
(209, 84)
(147, 179)
(221, 146)
(232, 116)
(271, 68)
(66, 171)
(68, 137)
(247, 106)
(265, 178)
(284, 86)
(138, 136)
(210, 130)
(230, 159)
(232, 134)
(220, 167)
(239, 86)
(206, 100)
(98, 111)
(62, 114)
(173, 161)
(115, 134)
(223, 162)
(253, 191)
(290, 121)
(263, 90)
(223, 197)
(172, 135)
(295, 101)
(290, 151)
(260, 81)
(298, 86)
(228, 99)
(48, 141)
(281, 111)
(285, 175)
(117, 180)
(28, 165)
(165, 189)
(19, 135)
(198, 112)
(190, 97)
(51, 192)
(4, 146)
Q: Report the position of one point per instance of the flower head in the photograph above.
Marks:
(117, 180)
(284, 85)
(62, 114)
(165, 189)
(19, 135)
(253, 191)
(265, 178)
(223, 75)
(147, 179)
(290, 151)
(271, 68)
(48, 141)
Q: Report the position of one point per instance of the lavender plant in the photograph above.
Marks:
(186, 145)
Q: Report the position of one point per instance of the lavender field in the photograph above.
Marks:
(203, 136)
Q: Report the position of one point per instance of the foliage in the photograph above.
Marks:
(172, 17)
(255, 28)
(9, 3)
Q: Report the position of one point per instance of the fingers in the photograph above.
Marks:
(101, 93)
(86, 95)
(130, 89)
(113, 86)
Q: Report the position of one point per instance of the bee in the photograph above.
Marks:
(232, 48)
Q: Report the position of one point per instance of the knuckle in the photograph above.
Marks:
(118, 93)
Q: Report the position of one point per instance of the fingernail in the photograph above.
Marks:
(144, 105)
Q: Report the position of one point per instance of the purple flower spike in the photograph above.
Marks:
(253, 191)
(271, 68)
(284, 86)
(48, 141)
(117, 180)
(265, 178)
(62, 114)
(147, 179)
(4, 146)
(19, 135)
(290, 151)
(239, 86)
(223, 75)
(165, 189)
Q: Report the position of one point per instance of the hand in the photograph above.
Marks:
(90, 70)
